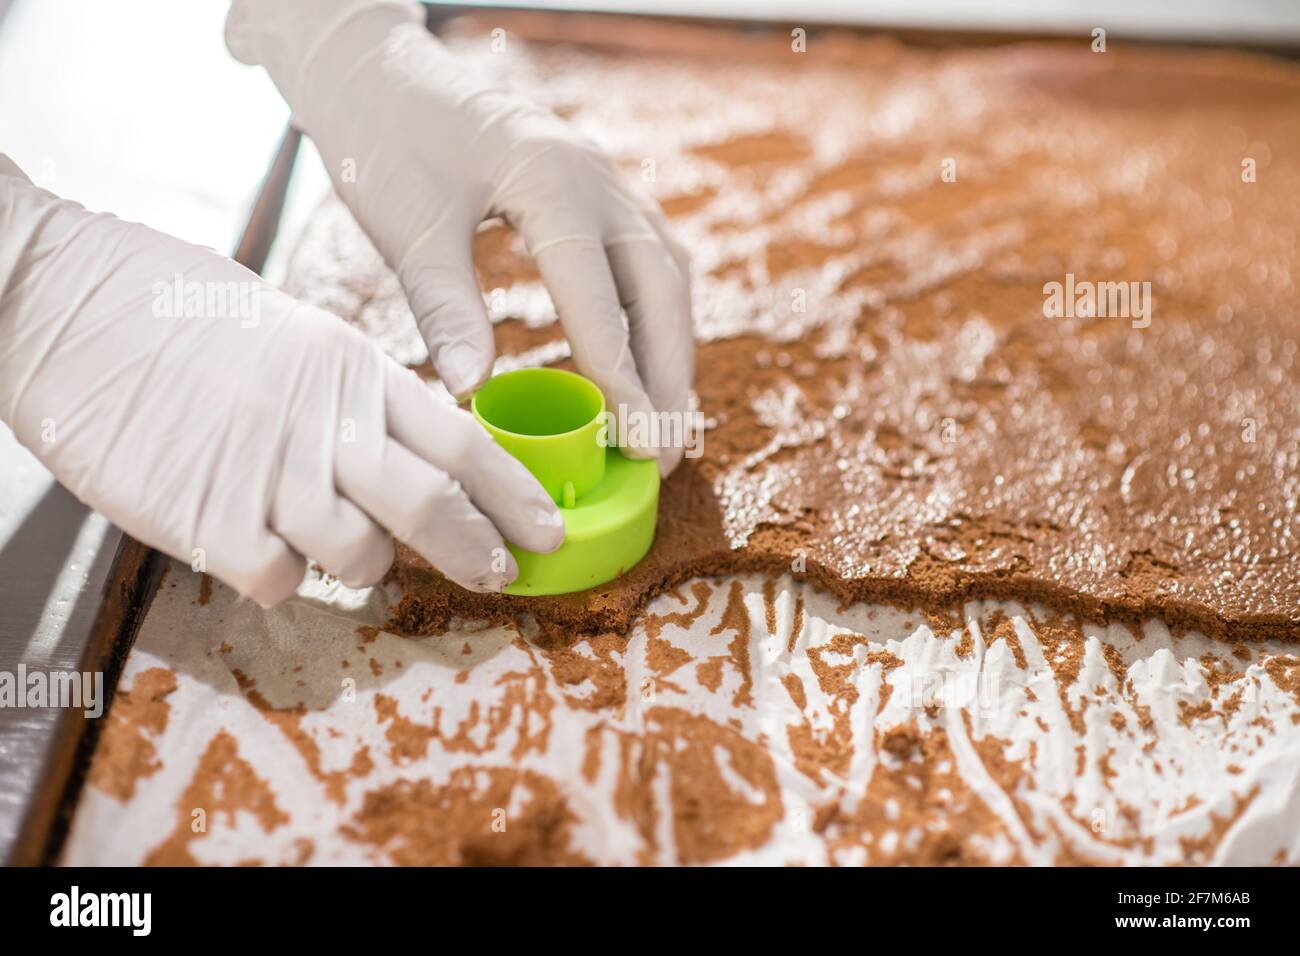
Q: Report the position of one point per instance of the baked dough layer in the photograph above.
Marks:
(892, 414)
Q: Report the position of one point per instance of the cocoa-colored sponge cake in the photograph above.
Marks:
(1016, 322)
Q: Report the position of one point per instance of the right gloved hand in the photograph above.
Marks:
(422, 150)
(234, 423)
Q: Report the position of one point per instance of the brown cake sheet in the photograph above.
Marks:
(890, 412)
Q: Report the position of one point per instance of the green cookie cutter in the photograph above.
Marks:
(552, 421)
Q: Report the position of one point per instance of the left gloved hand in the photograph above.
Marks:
(229, 425)
(435, 150)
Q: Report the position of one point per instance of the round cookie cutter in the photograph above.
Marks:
(554, 422)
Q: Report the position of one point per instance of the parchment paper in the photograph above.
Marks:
(292, 736)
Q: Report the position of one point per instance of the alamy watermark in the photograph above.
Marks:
(942, 689)
(79, 690)
(208, 299)
(654, 430)
(1098, 300)
(133, 911)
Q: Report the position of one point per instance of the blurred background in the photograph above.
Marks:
(137, 108)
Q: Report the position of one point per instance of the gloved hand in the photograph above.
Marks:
(422, 152)
(216, 418)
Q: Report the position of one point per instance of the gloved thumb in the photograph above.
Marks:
(453, 320)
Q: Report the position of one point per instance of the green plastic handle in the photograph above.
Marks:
(551, 421)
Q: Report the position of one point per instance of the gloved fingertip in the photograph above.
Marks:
(496, 583)
(463, 367)
(267, 599)
(536, 527)
(499, 569)
(669, 459)
(549, 530)
(371, 571)
(638, 453)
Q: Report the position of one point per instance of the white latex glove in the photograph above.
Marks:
(422, 151)
(248, 436)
